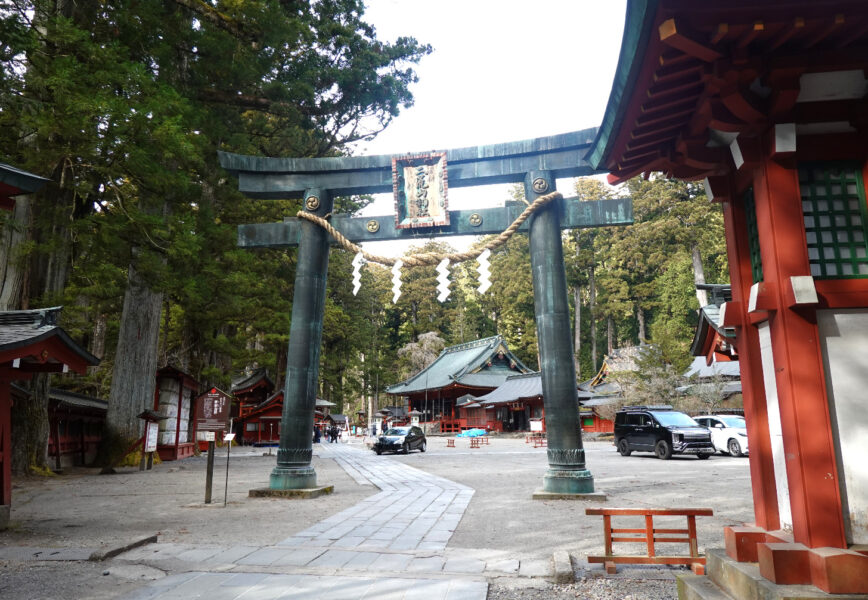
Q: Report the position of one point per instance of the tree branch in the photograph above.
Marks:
(215, 17)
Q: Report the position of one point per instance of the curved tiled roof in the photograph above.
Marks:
(463, 364)
(20, 329)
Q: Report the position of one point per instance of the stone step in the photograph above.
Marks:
(699, 587)
(739, 580)
(744, 582)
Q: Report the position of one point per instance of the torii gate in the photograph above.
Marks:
(536, 163)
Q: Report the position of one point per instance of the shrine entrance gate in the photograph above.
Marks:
(536, 163)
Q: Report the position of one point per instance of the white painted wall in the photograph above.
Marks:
(775, 432)
(844, 342)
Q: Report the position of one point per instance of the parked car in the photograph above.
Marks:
(401, 439)
(660, 430)
(728, 433)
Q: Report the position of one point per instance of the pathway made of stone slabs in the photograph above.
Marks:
(391, 545)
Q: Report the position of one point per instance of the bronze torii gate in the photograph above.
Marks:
(536, 163)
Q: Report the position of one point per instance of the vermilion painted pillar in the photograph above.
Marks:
(807, 430)
(5, 454)
(762, 473)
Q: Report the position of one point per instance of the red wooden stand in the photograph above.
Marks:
(649, 536)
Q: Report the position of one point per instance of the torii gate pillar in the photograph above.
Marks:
(566, 473)
(293, 470)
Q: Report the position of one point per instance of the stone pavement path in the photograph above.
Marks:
(392, 545)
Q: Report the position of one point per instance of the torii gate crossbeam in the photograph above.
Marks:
(536, 163)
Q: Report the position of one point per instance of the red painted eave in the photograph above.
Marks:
(672, 81)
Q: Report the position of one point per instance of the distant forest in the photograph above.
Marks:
(123, 105)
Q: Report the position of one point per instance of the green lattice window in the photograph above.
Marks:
(756, 263)
(833, 203)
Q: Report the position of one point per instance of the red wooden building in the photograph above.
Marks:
(174, 397)
(512, 405)
(474, 368)
(75, 430)
(766, 102)
(30, 342)
(260, 423)
(250, 390)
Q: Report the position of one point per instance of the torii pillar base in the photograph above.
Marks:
(307, 493)
(292, 478)
(560, 481)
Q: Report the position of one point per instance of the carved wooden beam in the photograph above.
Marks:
(743, 105)
(719, 34)
(671, 36)
(824, 31)
(786, 33)
(750, 35)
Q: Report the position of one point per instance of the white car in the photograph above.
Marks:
(728, 433)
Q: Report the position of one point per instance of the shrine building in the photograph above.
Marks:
(474, 368)
(765, 102)
(30, 342)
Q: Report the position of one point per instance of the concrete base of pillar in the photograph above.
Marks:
(304, 494)
(5, 514)
(292, 478)
(591, 497)
(557, 481)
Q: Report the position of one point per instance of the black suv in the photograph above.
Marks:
(660, 430)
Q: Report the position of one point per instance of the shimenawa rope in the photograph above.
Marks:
(432, 258)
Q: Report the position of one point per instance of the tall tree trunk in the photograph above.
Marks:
(592, 306)
(13, 268)
(134, 375)
(699, 276)
(30, 428)
(48, 273)
(610, 334)
(640, 316)
(577, 300)
(97, 341)
(163, 356)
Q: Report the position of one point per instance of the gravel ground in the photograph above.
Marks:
(71, 581)
(82, 509)
(593, 588)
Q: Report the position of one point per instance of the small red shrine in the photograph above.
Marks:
(766, 103)
(30, 342)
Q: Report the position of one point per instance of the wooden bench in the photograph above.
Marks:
(474, 442)
(450, 443)
(540, 441)
(484, 440)
(649, 535)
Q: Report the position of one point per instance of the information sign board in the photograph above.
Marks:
(152, 431)
(212, 411)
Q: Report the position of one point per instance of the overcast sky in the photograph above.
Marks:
(501, 71)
